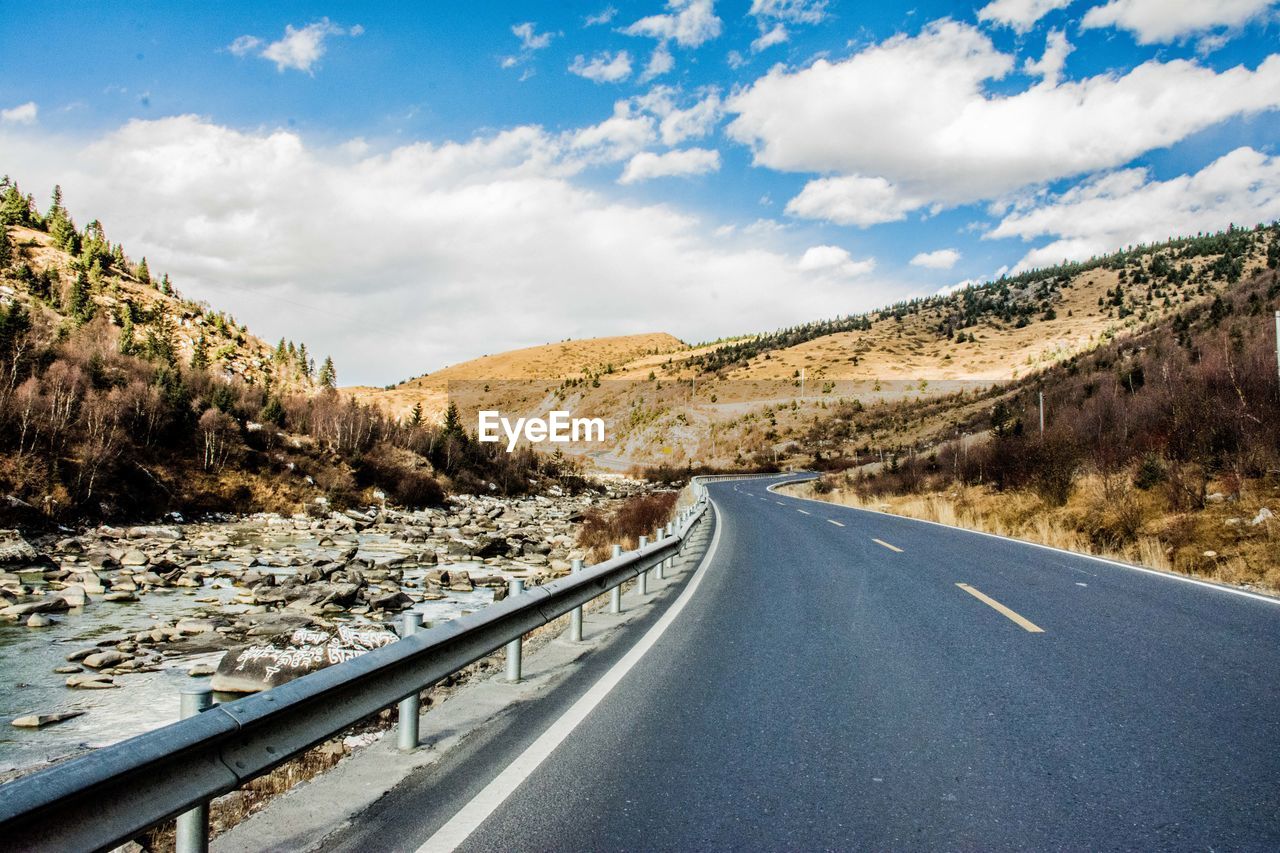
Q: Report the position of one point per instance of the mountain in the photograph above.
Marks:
(755, 398)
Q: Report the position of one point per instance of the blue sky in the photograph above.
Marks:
(408, 186)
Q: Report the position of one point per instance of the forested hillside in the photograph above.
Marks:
(119, 398)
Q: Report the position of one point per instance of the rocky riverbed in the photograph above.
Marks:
(101, 629)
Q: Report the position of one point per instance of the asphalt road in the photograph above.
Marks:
(846, 680)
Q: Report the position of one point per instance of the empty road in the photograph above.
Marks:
(842, 679)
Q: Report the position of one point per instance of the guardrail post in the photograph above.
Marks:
(408, 726)
(670, 531)
(575, 615)
(662, 564)
(615, 594)
(513, 647)
(642, 582)
(192, 827)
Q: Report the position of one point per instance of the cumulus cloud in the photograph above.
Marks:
(942, 259)
(403, 260)
(21, 114)
(675, 124)
(659, 63)
(853, 200)
(1021, 15)
(690, 23)
(1126, 207)
(616, 138)
(833, 260)
(942, 136)
(603, 67)
(300, 48)
(689, 161)
(1156, 21)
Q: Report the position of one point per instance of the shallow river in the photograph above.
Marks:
(148, 700)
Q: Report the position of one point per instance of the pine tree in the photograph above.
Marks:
(79, 304)
(415, 415)
(161, 342)
(328, 376)
(199, 354)
(280, 355)
(272, 412)
(6, 247)
(165, 286)
(95, 276)
(453, 422)
(128, 346)
(303, 366)
(142, 273)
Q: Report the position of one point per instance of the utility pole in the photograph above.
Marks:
(1042, 413)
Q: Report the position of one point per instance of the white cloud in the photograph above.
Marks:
(1021, 15)
(616, 138)
(530, 38)
(531, 41)
(300, 48)
(690, 23)
(688, 161)
(834, 260)
(852, 200)
(943, 136)
(768, 39)
(659, 63)
(735, 59)
(677, 125)
(21, 114)
(791, 11)
(942, 259)
(603, 67)
(1154, 21)
(491, 244)
(244, 45)
(1126, 207)
(604, 16)
(1049, 66)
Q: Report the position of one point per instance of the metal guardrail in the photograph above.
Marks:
(103, 799)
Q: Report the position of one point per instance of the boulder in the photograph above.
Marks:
(390, 601)
(15, 549)
(37, 721)
(91, 681)
(261, 667)
(154, 531)
(102, 660)
(133, 557)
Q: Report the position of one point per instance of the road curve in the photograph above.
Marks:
(844, 679)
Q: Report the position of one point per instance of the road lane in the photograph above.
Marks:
(823, 691)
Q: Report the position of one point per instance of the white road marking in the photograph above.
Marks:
(485, 803)
(833, 521)
(805, 511)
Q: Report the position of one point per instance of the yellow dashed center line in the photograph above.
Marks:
(833, 521)
(1024, 622)
(893, 548)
